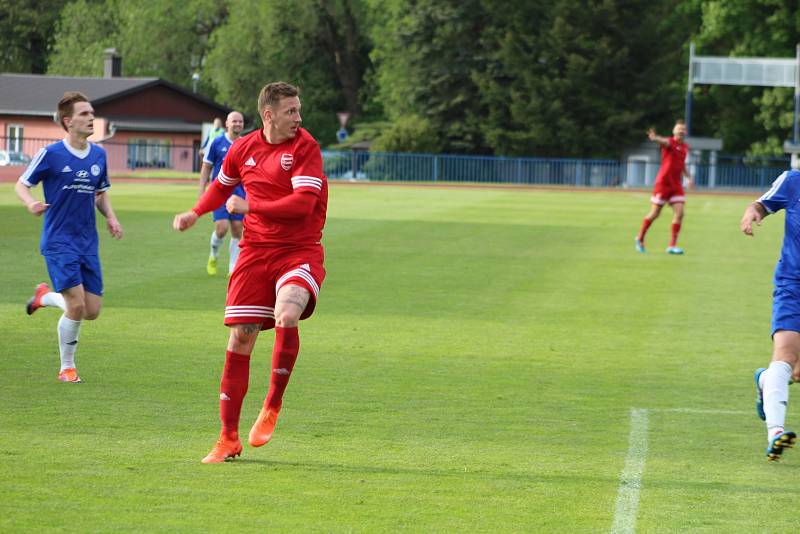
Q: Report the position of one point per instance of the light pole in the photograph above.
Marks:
(195, 79)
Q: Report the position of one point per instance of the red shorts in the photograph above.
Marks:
(259, 274)
(664, 193)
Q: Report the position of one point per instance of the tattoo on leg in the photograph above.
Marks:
(300, 303)
(251, 329)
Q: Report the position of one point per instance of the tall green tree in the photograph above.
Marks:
(581, 78)
(168, 40)
(26, 34)
(318, 45)
(426, 54)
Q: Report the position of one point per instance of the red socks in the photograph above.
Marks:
(284, 354)
(232, 389)
(676, 228)
(645, 225)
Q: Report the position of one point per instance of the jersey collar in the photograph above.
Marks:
(81, 154)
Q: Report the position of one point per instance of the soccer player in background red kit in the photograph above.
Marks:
(280, 269)
(669, 185)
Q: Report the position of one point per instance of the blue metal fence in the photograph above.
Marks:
(727, 172)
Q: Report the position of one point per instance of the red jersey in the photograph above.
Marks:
(270, 172)
(673, 161)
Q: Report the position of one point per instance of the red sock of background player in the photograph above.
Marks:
(676, 229)
(232, 389)
(645, 225)
(284, 354)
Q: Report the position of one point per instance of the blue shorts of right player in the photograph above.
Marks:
(70, 270)
(786, 308)
(221, 213)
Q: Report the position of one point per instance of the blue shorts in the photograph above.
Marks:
(70, 270)
(786, 308)
(221, 214)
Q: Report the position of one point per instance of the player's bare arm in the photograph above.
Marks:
(205, 176)
(689, 178)
(184, 221)
(37, 207)
(651, 134)
(755, 212)
(237, 205)
(103, 204)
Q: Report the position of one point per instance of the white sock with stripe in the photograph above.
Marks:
(215, 244)
(776, 396)
(54, 299)
(234, 254)
(68, 331)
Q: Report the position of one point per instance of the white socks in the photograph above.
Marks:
(776, 395)
(234, 254)
(54, 299)
(215, 244)
(68, 341)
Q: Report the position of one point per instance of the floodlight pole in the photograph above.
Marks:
(690, 86)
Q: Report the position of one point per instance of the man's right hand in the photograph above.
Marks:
(753, 214)
(37, 207)
(184, 221)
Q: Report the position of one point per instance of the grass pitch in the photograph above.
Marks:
(472, 366)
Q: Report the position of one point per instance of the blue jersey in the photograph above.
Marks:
(70, 178)
(785, 194)
(215, 153)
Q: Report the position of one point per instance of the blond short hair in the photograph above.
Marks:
(272, 93)
(66, 106)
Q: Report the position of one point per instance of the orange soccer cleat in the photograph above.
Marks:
(223, 449)
(263, 428)
(35, 301)
(69, 375)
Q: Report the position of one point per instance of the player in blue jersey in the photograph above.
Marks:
(212, 161)
(74, 178)
(772, 383)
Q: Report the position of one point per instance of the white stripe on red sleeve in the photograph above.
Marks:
(306, 181)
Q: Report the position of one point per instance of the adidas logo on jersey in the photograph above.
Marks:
(250, 162)
(66, 169)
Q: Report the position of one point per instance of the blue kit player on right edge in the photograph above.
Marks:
(74, 177)
(772, 383)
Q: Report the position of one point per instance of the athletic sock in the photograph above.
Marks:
(54, 299)
(643, 230)
(776, 396)
(68, 331)
(676, 228)
(234, 254)
(232, 389)
(215, 244)
(284, 354)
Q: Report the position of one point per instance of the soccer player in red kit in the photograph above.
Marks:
(668, 188)
(279, 272)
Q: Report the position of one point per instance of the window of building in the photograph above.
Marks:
(14, 138)
(149, 153)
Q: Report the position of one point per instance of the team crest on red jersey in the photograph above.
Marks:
(286, 161)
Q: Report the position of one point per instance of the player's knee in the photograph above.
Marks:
(76, 308)
(91, 315)
(287, 318)
(243, 337)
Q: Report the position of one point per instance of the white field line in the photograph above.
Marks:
(630, 481)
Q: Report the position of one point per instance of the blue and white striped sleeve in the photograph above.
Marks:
(37, 169)
(779, 194)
